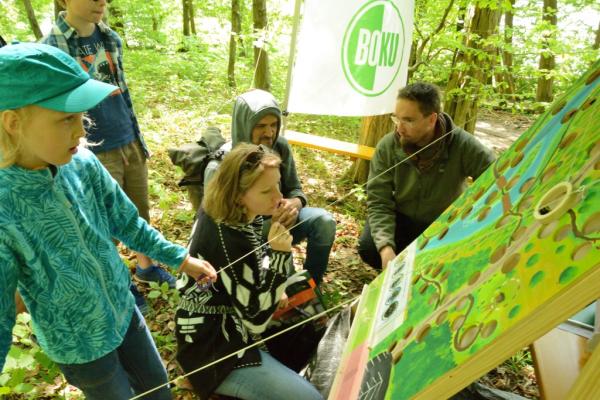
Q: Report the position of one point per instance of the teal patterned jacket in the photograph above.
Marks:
(56, 246)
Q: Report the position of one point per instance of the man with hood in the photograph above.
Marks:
(256, 119)
(403, 198)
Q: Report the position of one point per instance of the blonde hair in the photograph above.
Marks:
(237, 173)
(10, 145)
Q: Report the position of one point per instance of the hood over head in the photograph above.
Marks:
(249, 108)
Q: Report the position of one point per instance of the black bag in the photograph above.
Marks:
(295, 348)
(193, 158)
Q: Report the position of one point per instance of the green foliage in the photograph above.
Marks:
(179, 86)
(27, 365)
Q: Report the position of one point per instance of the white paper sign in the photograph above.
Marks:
(352, 56)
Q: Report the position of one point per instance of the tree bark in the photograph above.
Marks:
(506, 77)
(186, 18)
(460, 27)
(35, 27)
(241, 45)
(192, 13)
(262, 79)
(372, 129)
(236, 27)
(465, 84)
(547, 61)
(57, 9)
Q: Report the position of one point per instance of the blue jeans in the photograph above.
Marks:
(132, 368)
(317, 226)
(269, 381)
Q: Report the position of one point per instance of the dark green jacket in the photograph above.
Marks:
(421, 196)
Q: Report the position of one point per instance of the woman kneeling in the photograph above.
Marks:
(227, 318)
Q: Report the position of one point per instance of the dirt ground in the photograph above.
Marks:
(498, 130)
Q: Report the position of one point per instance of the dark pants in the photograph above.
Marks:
(132, 368)
(406, 232)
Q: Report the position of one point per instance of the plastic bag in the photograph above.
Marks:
(323, 367)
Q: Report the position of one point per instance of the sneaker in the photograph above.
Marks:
(140, 302)
(154, 274)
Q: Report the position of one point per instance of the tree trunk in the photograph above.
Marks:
(547, 61)
(460, 27)
(57, 9)
(465, 84)
(412, 61)
(372, 129)
(262, 77)
(192, 15)
(236, 27)
(506, 77)
(186, 18)
(35, 27)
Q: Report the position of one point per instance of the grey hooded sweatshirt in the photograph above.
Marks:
(248, 110)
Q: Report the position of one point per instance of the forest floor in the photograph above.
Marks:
(175, 113)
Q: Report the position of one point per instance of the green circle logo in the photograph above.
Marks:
(373, 47)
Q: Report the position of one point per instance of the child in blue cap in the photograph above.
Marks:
(59, 210)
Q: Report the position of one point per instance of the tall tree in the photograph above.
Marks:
(262, 77)
(372, 129)
(473, 66)
(236, 28)
(186, 18)
(420, 52)
(547, 60)
(505, 77)
(189, 25)
(35, 27)
(192, 13)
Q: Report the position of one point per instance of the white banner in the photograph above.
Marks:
(352, 56)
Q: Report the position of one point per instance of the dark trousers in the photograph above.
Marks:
(406, 231)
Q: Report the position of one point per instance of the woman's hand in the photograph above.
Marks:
(284, 301)
(199, 269)
(280, 238)
(287, 212)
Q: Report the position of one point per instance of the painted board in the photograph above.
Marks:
(515, 255)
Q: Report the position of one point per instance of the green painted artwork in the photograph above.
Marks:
(526, 234)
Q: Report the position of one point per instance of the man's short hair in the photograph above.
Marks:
(426, 95)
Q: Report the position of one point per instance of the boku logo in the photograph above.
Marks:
(373, 47)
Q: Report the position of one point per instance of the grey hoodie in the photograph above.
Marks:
(248, 110)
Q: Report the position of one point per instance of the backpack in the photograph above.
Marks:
(193, 158)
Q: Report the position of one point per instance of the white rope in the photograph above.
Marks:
(255, 344)
(359, 187)
(581, 189)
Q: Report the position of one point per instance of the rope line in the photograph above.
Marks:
(354, 190)
(579, 190)
(255, 344)
(308, 319)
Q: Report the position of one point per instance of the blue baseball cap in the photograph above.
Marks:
(42, 75)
